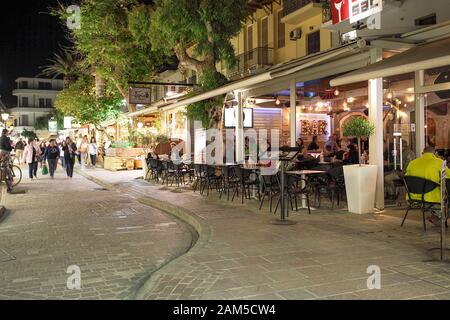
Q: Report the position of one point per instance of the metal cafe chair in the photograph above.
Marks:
(420, 186)
(245, 181)
(229, 181)
(293, 190)
(270, 188)
(211, 180)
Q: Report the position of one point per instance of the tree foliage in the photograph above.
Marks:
(111, 41)
(81, 102)
(66, 64)
(199, 32)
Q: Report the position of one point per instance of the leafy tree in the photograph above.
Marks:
(81, 102)
(199, 32)
(111, 44)
(358, 127)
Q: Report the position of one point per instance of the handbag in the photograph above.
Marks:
(44, 170)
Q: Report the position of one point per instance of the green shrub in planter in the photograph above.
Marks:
(358, 127)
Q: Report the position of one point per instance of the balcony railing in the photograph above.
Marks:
(250, 61)
(291, 6)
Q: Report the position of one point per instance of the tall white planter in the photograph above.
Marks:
(360, 184)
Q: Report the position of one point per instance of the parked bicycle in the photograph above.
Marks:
(10, 173)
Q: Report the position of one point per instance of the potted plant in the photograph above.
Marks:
(360, 179)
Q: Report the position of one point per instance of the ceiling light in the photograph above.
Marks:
(336, 92)
(389, 95)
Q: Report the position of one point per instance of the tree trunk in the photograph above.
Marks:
(100, 85)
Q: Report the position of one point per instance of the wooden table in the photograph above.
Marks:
(303, 174)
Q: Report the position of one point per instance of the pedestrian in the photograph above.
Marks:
(61, 154)
(5, 143)
(51, 155)
(93, 151)
(84, 146)
(79, 141)
(20, 146)
(30, 156)
(70, 152)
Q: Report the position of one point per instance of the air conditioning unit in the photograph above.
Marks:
(295, 34)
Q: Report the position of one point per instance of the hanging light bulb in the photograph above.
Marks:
(140, 125)
(320, 104)
(278, 102)
(351, 100)
(390, 96)
(336, 92)
(310, 108)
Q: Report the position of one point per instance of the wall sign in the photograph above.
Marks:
(140, 96)
(354, 10)
(52, 126)
(340, 10)
(361, 9)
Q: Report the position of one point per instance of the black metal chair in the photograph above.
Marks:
(294, 189)
(270, 188)
(210, 179)
(245, 182)
(229, 181)
(419, 186)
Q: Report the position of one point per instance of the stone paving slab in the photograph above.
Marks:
(115, 240)
(323, 256)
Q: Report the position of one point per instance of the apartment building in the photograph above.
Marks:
(35, 99)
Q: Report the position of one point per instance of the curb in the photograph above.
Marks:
(197, 223)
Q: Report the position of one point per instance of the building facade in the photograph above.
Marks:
(35, 100)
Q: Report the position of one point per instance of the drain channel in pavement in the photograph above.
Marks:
(5, 256)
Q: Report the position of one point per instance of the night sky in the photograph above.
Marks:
(28, 38)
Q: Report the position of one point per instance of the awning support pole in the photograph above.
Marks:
(376, 117)
(240, 130)
(419, 113)
(293, 113)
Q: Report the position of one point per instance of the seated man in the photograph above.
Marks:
(429, 167)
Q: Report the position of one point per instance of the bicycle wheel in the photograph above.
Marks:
(16, 174)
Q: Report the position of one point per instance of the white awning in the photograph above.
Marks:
(424, 56)
(275, 72)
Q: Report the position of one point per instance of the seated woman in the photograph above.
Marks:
(314, 146)
(351, 157)
(329, 153)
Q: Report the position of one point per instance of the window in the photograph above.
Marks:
(25, 102)
(427, 20)
(314, 42)
(41, 103)
(250, 42)
(48, 103)
(45, 85)
(25, 120)
(23, 85)
(281, 30)
(264, 59)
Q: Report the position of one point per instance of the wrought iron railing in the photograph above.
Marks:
(252, 60)
(291, 6)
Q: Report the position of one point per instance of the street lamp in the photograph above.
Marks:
(5, 117)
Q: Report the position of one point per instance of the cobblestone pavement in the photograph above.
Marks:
(240, 255)
(115, 240)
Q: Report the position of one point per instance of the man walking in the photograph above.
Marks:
(20, 146)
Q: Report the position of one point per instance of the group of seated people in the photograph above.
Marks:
(333, 150)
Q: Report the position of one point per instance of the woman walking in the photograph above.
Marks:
(51, 155)
(30, 156)
(70, 149)
(61, 154)
(93, 151)
(84, 146)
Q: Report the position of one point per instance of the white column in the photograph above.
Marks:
(240, 156)
(164, 122)
(188, 140)
(420, 113)
(293, 113)
(376, 141)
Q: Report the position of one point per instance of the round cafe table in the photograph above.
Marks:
(303, 174)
